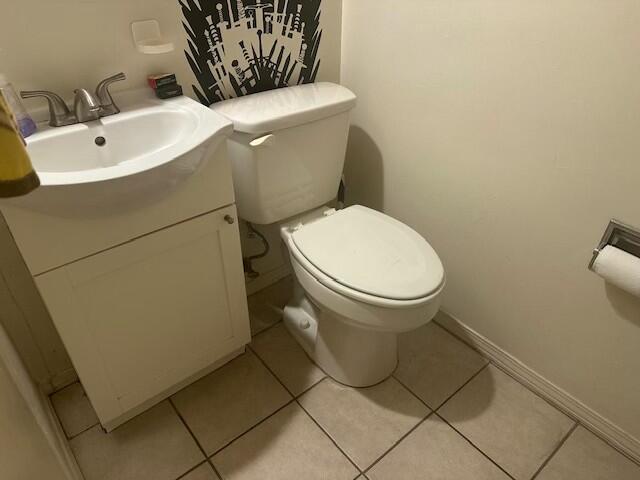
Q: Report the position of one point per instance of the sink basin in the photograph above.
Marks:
(122, 160)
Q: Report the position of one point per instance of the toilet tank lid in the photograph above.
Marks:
(273, 110)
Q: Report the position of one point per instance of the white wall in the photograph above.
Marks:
(508, 133)
(32, 444)
(62, 45)
(24, 453)
(27, 322)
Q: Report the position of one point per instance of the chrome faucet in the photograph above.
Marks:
(87, 107)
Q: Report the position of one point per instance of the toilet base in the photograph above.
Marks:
(349, 354)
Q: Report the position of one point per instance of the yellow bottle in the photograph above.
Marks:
(17, 176)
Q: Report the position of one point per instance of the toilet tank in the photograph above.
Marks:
(288, 148)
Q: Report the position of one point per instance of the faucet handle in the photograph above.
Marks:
(109, 80)
(59, 114)
(104, 96)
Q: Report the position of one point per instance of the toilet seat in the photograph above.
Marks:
(368, 256)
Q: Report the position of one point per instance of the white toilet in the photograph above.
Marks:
(362, 277)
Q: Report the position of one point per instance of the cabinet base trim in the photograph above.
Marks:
(116, 422)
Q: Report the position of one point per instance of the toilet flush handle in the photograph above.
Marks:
(264, 141)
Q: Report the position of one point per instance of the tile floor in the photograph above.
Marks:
(271, 414)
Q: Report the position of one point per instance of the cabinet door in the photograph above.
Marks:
(145, 316)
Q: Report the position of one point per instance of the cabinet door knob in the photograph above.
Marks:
(229, 219)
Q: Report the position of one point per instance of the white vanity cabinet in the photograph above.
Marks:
(148, 299)
(143, 319)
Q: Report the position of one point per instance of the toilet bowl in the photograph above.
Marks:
(361, 278)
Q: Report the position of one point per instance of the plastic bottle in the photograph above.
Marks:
(25, 122)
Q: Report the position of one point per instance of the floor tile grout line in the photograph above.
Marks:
(264, 364)
(240, 435)
(273, 373)
(488, 362)
(475, 447)
(431, 410)
(266, 329)
(398, 441)
(411, 392)
(55, 392)
(301, 394)
(550, 402)
(215, 470)
(79, 433)
(192, 469)
(296, 400)
(555, 450)
(442, 404)
(503, 369)
(195, 439)
(485, 366)
(360, 471)
(566, 413)
(295, 397)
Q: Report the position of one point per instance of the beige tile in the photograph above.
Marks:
(434, 364)
(266, 306)
(153, 446)
(512, 425)
(286, 358)
(287, 446)
(203, 472)
(229, 401)
(364, 422)
(74, 409)
(585, 457)
(436, 448)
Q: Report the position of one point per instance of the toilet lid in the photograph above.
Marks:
(372, 253)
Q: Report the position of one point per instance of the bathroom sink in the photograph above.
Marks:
(122, 160)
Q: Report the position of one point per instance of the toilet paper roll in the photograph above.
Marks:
(619, 268)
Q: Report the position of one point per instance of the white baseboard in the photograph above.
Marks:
(58, 440)
(570, 405)
(267, 278)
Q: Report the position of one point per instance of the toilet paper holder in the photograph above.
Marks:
(621, 236)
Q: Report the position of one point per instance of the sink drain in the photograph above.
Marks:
(100, 141)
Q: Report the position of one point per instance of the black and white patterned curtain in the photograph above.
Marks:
(239, 47)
